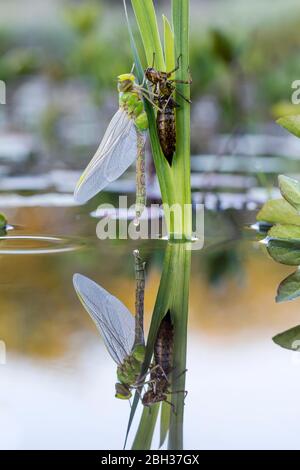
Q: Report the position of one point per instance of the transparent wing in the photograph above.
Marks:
(112, 318)
(117, 151)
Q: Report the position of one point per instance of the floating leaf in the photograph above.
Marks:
(285, 232)
(290, 190)
(278, 211)
(291, 124)
(289, 288)
(289, 339)
(284, 252)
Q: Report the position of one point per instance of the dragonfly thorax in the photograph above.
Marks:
(129, 371)
(132, 103)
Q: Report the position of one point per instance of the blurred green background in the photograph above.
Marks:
(60, 60)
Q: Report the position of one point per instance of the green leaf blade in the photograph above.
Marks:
(144, 435)
(289, 288)
(147, 22)
(290, 190)
(291, 124)
(168, 45)
(164, 422)
(284, 252)
(289, 339)
(278, 211)
(285, 232)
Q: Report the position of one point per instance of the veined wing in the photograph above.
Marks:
(117, 151)
(112, 318)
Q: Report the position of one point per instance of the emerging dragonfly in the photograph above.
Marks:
(122, 144)
(123, 334)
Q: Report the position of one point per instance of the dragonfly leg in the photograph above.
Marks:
(181, 373)
(182, 96)
(146, 96)
(185, 82)
(177, 66)
(171, 405)
(159, 367)
(145, 91)
(185, 392)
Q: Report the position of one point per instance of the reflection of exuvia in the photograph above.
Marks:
(2, 353)
(159, 384)
(2, 92)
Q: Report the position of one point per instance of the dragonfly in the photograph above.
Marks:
(123, 143)
(123, 334)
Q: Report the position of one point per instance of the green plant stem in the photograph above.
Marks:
(172, 294)
(179, 312)
(181, 164)
(144, 435)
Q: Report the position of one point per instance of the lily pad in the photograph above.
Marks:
(285, 232)
(289, 339)
(289, 288)
(284, 252)
(290, 190)
(278, 211)
(291, 124)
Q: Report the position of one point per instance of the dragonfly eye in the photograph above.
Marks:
(125, 82)
(122, 392)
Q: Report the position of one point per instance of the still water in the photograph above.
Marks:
(57, 386)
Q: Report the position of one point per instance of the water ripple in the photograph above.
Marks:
(37, 244)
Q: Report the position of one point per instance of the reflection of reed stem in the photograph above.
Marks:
(179, 312)
(172, 294)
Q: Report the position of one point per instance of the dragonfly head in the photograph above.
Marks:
(125, 82)
(122, 391)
